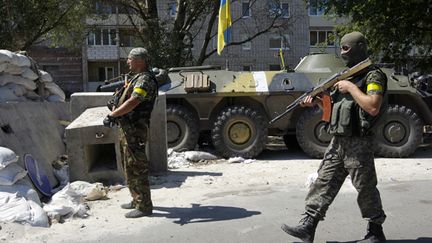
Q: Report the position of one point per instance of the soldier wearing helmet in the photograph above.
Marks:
(132, 112)
(357, 104)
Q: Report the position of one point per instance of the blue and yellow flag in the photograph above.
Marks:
(224, 27)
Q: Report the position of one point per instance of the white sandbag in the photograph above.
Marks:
(20, 60)
(88, 190)
(38, 217)
(12, 69)
(7, 78)
(11, 174)
(198, 155)
(6, 56)
(7, 95)
(66, 202)
(54, 89)
(24, 189)
(27, 73)
(17, 89)
(7, 156)
(13, 208)
(45, 76)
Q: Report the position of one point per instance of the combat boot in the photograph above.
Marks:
(305, 230)
(374, 234)
(129, 205)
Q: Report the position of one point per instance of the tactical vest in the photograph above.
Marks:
(348, 119)
(144, 109)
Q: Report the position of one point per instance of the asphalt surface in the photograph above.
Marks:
(255, 215)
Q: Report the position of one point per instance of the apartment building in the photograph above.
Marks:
(104, 53)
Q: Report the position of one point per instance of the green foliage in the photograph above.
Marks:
(398, 31)
(27, 22)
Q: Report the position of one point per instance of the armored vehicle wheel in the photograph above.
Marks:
(182, 128)
(311, 133)
(399, 133)
(239, 131)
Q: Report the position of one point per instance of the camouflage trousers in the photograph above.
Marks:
(347, 156)
(133, 139)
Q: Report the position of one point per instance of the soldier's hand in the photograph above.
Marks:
(110, 121)
(307, 102)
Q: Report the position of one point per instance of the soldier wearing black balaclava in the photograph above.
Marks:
(357, 103)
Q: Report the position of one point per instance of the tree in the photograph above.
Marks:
(172, 40)
(399, 31)
(27, 22)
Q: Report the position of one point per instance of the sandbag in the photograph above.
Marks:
(24, 189)
(27, 73)
(45, 76)
(17, 89)
(20, 60)
(6, 56)
(15, 208)
(12, 69)
(66, 202)
(54, 89)
(3, 67)
(88, 190)
(32, 95)
(11, 174)
(7, 156)
(7, 78)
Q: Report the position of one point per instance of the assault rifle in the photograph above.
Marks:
(322, 87)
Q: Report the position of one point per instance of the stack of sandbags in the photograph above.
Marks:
(18, 80)
(19, 202)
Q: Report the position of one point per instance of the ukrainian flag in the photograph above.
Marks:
(224, 27)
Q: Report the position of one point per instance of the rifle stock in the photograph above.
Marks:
(324, 86)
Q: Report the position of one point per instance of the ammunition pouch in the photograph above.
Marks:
(342, 119)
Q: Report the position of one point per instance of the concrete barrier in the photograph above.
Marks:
(94, 150)
(35, 128)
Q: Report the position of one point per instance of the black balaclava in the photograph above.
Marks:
(358, 52)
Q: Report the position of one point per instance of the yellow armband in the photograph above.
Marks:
(140, 91)
(374, 87)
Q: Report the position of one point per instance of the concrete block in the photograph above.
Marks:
(93, 150)
(158, 136)
(79, 102)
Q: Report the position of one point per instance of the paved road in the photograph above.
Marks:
(255, 214)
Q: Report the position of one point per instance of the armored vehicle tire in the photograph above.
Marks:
(399, 133)
(239, 131)
(182, 128)
(311, 133)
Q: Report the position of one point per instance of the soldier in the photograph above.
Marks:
(357, 103)
(132, 110)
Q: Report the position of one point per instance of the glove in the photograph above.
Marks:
(110, 121)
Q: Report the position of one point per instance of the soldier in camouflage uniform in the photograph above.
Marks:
(132, 111)
(357, 104)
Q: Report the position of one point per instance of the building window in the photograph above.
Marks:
(246, 10)
(105, 37)
(246, 45)
(172, 10)
(278, 8)
(129, 38)
(101, 8)
(105, 73)
(277, 42)
(247, 68)
(321, 37)
(274, 67)
(316, 8)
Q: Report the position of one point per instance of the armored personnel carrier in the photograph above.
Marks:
(232, 109)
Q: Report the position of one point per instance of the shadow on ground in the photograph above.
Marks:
(202, 214)
(418, 240)
(173, 179)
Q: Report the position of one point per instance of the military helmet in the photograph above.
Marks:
(354, 48)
